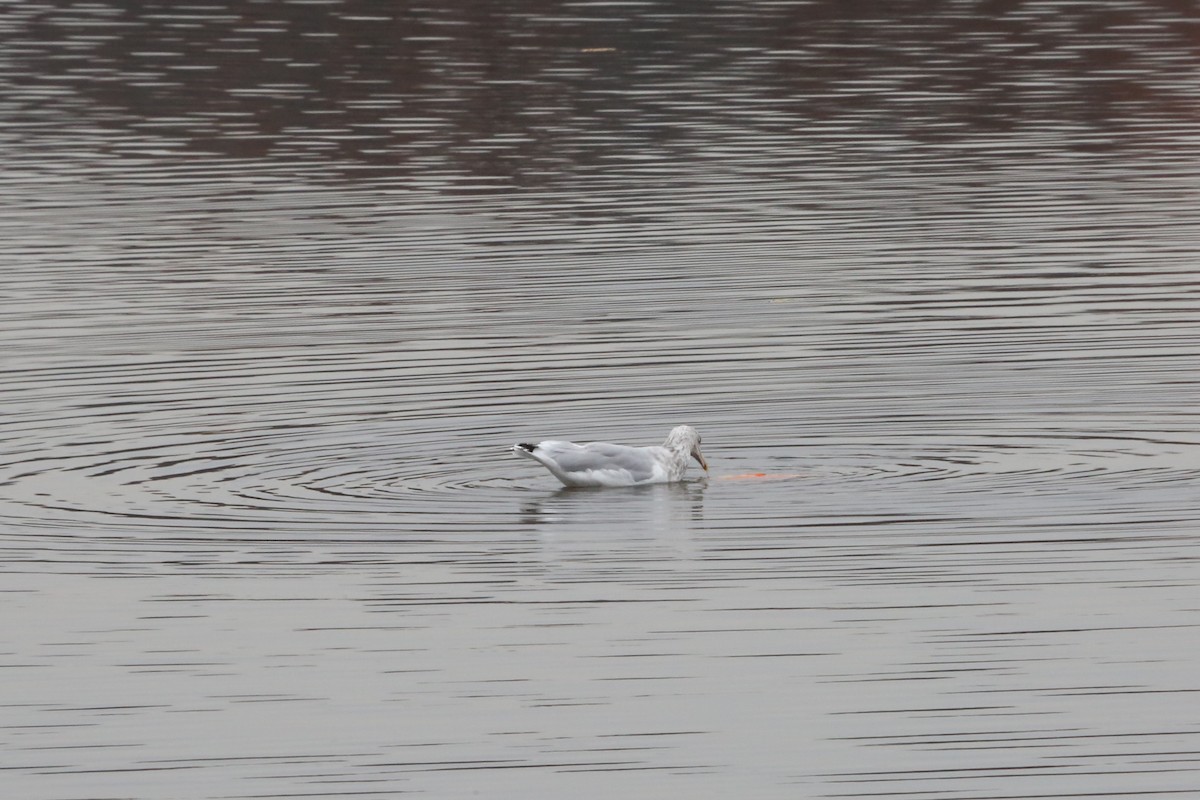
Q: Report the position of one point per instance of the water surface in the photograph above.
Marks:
(284, 283)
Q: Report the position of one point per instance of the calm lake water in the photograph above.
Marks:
(283, 282)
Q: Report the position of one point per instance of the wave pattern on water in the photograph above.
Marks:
(283, 285)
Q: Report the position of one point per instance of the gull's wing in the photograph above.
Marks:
(596, 463)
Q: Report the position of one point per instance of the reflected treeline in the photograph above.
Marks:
(538, 90)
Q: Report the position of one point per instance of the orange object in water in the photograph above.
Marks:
(745, 476)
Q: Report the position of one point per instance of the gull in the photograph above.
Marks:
(604, 464)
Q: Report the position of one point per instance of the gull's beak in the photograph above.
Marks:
(696, 455)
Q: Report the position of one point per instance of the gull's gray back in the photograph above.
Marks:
(601, 456)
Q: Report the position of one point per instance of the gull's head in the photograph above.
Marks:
(686, 439)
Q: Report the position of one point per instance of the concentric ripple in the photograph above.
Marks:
(381, 476)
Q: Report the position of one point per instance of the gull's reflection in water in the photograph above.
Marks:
(657, 508)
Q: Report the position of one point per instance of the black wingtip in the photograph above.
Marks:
(528, 448)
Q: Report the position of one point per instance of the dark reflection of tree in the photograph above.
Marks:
(534, 90)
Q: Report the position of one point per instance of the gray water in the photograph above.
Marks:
(282, 283)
